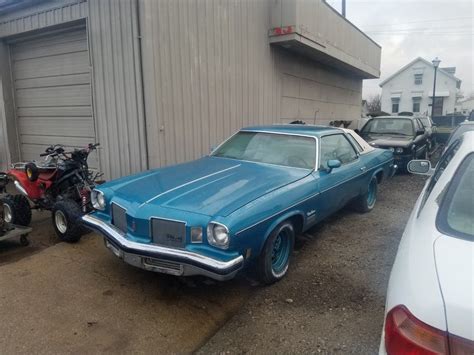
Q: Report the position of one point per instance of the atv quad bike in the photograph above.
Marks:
(62, 184)
(8, 230)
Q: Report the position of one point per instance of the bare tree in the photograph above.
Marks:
(374, 103)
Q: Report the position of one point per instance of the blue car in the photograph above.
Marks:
(241, 205)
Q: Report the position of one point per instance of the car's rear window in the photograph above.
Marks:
(456, 215)
(270, 148)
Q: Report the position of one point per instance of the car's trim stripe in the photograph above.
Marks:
(304, 200)
(276, 214)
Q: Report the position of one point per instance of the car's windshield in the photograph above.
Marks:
(389, 126)
(459, 131)
(270, 148)
(457, 211)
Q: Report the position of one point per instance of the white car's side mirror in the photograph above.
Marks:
(420, 167)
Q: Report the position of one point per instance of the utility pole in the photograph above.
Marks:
(435, 62)
(344, 8)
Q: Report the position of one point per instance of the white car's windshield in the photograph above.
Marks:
(270, 148)
(393, 126)
(457, 212)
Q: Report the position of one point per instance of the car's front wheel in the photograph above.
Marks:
(274, 260)
(366, 202)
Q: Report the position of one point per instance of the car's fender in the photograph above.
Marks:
(290, 214)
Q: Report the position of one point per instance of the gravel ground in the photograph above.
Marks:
(41, 238)
(332, 300)
(81, 299)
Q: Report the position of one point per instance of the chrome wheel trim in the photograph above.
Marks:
(61, 221)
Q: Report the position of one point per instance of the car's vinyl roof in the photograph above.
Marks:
(309, 130)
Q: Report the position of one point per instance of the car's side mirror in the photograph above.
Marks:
(420, 132)
(333, 164)
(420, 167)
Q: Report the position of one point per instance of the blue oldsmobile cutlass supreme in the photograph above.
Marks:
(241, 205)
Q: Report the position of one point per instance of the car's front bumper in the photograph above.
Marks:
(179, 262)
(402, 160)
(392, 169)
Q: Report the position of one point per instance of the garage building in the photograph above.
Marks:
(159, 82)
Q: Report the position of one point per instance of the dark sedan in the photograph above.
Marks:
(404, 136)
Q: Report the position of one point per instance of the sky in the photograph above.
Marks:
(407, 29)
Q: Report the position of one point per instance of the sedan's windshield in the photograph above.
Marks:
(270, 148)
(459, 131)
(389, 126)
(457, 211)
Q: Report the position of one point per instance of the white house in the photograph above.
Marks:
(410, 89)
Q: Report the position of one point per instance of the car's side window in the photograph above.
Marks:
(418, 126)
(355, 143)
(440, 168)
(336, 146)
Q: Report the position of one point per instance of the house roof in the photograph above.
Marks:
(410, 64)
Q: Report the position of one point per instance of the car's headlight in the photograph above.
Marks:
(399, 150)
(98, 200)
(218, 235)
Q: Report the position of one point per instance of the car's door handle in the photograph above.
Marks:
(363, 168)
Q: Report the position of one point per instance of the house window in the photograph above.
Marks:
(416, 104)
(418, 79)
(395, 105)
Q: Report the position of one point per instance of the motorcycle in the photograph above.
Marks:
(62, 184)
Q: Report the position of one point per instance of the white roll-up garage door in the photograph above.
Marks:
(52, 92)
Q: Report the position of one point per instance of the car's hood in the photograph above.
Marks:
(211, 186)
(455, 266)
(388, 141)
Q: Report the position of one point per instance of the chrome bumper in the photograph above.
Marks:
(393, 169)
(157, 258)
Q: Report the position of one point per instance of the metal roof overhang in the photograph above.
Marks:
(318, 52)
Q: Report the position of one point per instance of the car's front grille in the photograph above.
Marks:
(168, 233)
(119, 217)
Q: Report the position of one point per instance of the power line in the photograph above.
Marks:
(422, 30)
(423, 34)
(421, 21)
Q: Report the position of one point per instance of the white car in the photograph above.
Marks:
(430, 297)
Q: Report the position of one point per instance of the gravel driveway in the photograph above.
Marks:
(332, 300)
(61, 298)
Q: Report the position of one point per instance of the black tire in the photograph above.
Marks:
(31, 171)
(66, 216)
(19, 209)
(265, 267)
(366, 202)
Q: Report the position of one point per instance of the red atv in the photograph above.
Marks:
(62, 183)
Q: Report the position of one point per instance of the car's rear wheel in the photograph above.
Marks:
(366, 202)
(274, 260)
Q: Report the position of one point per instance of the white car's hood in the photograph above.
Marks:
(454, 260)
